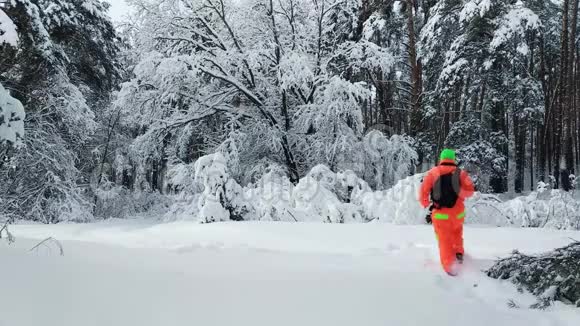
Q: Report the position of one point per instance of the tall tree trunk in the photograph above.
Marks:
(498, 181)
(542, 132)
(519, 131)
(576, 109)
(564, 105)
(569, 90)
(532, 155)
(416, 71)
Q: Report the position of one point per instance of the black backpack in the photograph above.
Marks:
(446, 189)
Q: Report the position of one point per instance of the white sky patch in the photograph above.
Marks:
(119, 10)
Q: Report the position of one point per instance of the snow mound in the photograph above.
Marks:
(223, 274)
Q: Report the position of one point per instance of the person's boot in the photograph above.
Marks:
(459, 257)
(453, 270)
(453, 274)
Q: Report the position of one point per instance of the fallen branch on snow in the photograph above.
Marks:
(45, 244)
(553, 276)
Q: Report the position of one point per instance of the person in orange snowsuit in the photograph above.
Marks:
(446, 187)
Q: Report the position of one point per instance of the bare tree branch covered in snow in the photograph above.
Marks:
(254, 77)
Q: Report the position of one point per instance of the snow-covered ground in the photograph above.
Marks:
(140, 273)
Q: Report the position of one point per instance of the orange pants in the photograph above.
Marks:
(449, 231)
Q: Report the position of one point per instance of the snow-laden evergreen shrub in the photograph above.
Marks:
(552, 276)
(316, 200)
(222, 198)
(399, 204)
(346, 185)
(321, 196)
(271, 197)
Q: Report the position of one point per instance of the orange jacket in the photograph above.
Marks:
(446, 167)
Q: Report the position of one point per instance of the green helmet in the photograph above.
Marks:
(447, 154)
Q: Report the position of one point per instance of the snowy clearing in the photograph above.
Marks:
(140, 273)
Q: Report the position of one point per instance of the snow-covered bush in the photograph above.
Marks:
(184, 208)
(11, 123)
(346, 185)
(180, 180)
(573, 181)
(222, 198)
(553, 209)
(313, 197)
(271, 198)
(349, 187)
(398, 205)
(553, 276)
(11, 110)
(542, 187)
(11, 117)
(213, 211)
(387, 160)
(184, 193)
(119, 202)
(486, 209)
(316, 200)
(339, 197)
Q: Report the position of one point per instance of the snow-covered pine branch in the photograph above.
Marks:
(552, 276)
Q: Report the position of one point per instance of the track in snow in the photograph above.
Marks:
(138, 273)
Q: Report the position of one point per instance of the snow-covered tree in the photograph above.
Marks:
(270, 78)
(222, 198)
(486, 76)
(478, 152)
(62, 69)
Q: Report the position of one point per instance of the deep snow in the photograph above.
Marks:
(139, 273)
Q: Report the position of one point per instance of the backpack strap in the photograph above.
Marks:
(457, 173)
